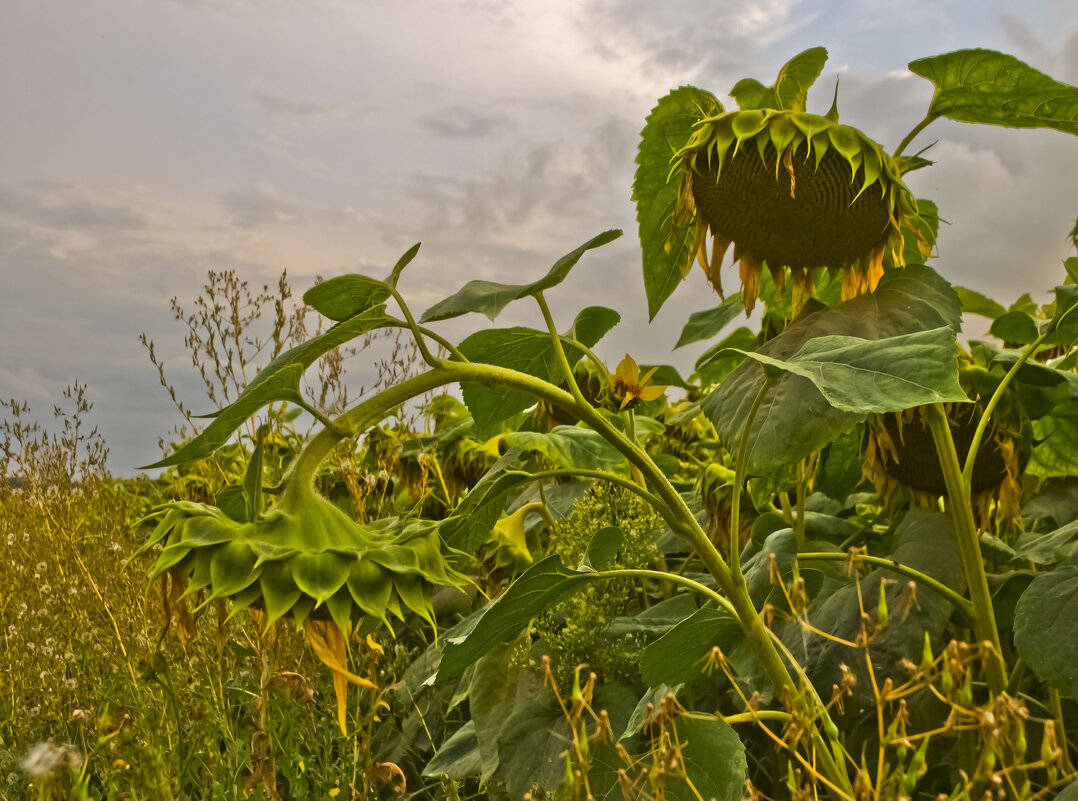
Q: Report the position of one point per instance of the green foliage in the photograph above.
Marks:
(667, 244)
(997, 89)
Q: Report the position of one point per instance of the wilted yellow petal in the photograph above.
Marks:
(628, 371)
(373, 645)
(328, 645)
(651, 393)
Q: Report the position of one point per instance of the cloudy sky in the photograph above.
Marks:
(145, 142)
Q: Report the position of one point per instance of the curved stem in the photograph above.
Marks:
(982, 425)
(600, 475)
(932, 584)
(969, 547)
(420, 342)
(913, 133)
(759, 637)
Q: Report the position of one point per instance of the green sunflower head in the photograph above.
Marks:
(305, 558)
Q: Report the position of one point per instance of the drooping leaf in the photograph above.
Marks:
(867, 376)
(667, 254)
(476, 514)
(997, 89)
(526, 350)
(539, 587)
(707, 324)
(277, 381)
(795, 417)
(252, 479)
(714, 760)
(570, 446)
(459, 756)
(1046, 627)
(490, 297)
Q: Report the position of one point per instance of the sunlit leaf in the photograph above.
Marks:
(997, 89)
(490, 297)
(667, 254)
(795, 417)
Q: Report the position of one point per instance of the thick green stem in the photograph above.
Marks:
(803, 702)
(969, 547)
(740, 466)
(912, 134)
(938, 587)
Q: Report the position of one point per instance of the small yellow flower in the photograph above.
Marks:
(334, 792)
(629, 386)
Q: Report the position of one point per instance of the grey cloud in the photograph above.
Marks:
(314, 110)
(265, 205)
(692, 37)
(66, 214)
(458, 122)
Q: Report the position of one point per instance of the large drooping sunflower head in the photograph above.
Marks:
(791, 190)
(794, 192)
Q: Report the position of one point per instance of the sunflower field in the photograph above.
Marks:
(837, 560)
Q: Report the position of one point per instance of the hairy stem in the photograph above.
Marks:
(969, 547)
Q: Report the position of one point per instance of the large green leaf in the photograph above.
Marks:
(867, 376)
(526, 350)
(997, 89)
(667, 254)
(570, 446)
(1056, 436)
(795, 417)
(540, 586)
(537, 589)
(678, 657)
(1046, 627)
(924, 541)
(277, 381)
(714, 760)
(459, 756)
(490, 297)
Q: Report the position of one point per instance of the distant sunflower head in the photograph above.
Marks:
(899, 451)
(792, 190)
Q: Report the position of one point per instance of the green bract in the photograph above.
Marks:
(791, 189)
(304, 556)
